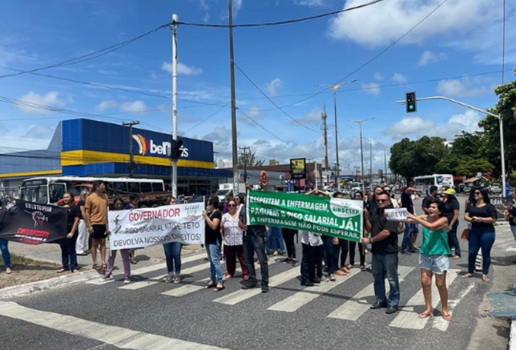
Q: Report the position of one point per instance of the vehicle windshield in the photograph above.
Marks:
(222, 192)
(77, 189)
(37, 194)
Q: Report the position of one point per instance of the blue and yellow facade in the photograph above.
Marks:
(84, 147)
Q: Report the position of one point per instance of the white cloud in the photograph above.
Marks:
(39, 132)
(385, 22)
(417, 126)
(133, 107)
(182, 69)
(107, 72)
(378, 76)
(311, 3)
(399, 78)
(371, 88)
(253, 113)
(273, 86)
(104, 105)
(312, 117)
(50, 99)
(237, 5)
(431, 57)
(462, 88)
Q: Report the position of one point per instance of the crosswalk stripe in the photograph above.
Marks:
(154, 280)
(122, 338)
(241, 295)
(198, 285)
(148, 269)
(407, 317)
(440, 323)
(354, 308)
(301, 298)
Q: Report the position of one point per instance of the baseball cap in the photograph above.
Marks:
(450, 191)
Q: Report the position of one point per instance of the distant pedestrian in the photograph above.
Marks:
(482, 215)
(96, 218)
(407, 201)
(451, 212)
(233, 241)
(510, 215)
(173, 256)
(433, 258)
(119, 205)
(274, 241)
(384, 241)
(81, 246)
(68, 253)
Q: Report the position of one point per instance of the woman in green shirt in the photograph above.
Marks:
(433, 258)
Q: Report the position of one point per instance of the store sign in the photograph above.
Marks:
(298, 168)
(150, 147)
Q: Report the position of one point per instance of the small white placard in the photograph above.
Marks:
(397, 214)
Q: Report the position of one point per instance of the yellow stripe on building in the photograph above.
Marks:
(81, 157)
(32, 173)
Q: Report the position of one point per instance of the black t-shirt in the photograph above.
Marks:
(371, 205)
(73, 212)
(258, 230)
(406, 202)
(487, 211)
(449, 206)
(379, 223)
(79, 205)
(213, 236)
(512, 214)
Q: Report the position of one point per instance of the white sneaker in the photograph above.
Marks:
(177, 279)
(127, 280)
(332, 277)
(167, 279)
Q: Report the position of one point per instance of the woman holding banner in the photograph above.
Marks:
(119, 205)
(233, 241)
(213, 241)
(173, 256)
(433, 258)
(68, 253)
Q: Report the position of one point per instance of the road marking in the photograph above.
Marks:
(407, 317)
(122, 338)
(439, 322)
(244, 294)
(147, 269)
(353, 308)
(199, 285)
(305, 296)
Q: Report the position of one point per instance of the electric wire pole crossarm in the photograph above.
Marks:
(499, 117)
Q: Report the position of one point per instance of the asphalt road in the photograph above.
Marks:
(335, 315)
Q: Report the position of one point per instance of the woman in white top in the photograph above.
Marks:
(233, 240)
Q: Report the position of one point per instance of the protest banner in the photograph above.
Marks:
(144, 227)
(397, 214)
(32, 223)
(335, 217)
(500, 203)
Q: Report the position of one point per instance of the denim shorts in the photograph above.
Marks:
(435, 263)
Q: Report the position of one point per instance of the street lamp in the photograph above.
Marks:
(371, 159)
(385, 163)
(360, 122)
(334, 88)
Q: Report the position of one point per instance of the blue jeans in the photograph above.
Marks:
(332, 253)
(480, 238)
(274, 239)
(68, 253)
(256, 243)
(215, 269)
(453, 241)
(173, 257)
(386, 266)
(513, 230)
(407, 237)
(5, 252)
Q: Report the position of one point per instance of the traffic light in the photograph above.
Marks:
(175, 149)
(410, 102)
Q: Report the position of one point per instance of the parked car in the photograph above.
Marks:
(494, 189)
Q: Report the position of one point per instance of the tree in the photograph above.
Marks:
(490, 145)
(473, 166)
(467, 146)
(448, 165)
(248, 160)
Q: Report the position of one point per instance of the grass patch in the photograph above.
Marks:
(22, 260)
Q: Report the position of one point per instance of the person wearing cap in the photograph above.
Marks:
(451, 212)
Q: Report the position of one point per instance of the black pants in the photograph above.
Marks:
(254, 242)
(288, 237)
(343, 245)
(312, 260)
(361, 252)
(332, 254)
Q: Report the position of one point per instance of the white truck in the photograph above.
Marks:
(224, 189)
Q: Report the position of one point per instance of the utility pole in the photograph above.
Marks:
(325, 131)
(385, 163)
(245, 158)
(233, 98)
(173, 180)
(131, 153)
(360, 122)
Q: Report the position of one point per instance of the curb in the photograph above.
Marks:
(512, 336)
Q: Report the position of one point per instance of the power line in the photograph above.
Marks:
(89, 56)
(208, 117)
(290, 21)
(271, 101)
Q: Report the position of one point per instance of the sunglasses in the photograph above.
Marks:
(381, 200)
(231, 205)
(477, 192)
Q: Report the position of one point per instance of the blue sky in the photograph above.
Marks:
(456, 52)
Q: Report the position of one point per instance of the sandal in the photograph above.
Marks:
(424, 315)
(219, 288)
(468, 275)
(447, 317)
(210, 285)
(133, 261)
(485, 278)
(103, 267)
(350, 266)
(362, 267)
(95, 267)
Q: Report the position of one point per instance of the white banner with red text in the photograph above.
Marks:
(144, 227)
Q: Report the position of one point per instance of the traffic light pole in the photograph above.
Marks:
(499, 117)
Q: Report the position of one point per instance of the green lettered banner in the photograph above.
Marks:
(336, 217)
